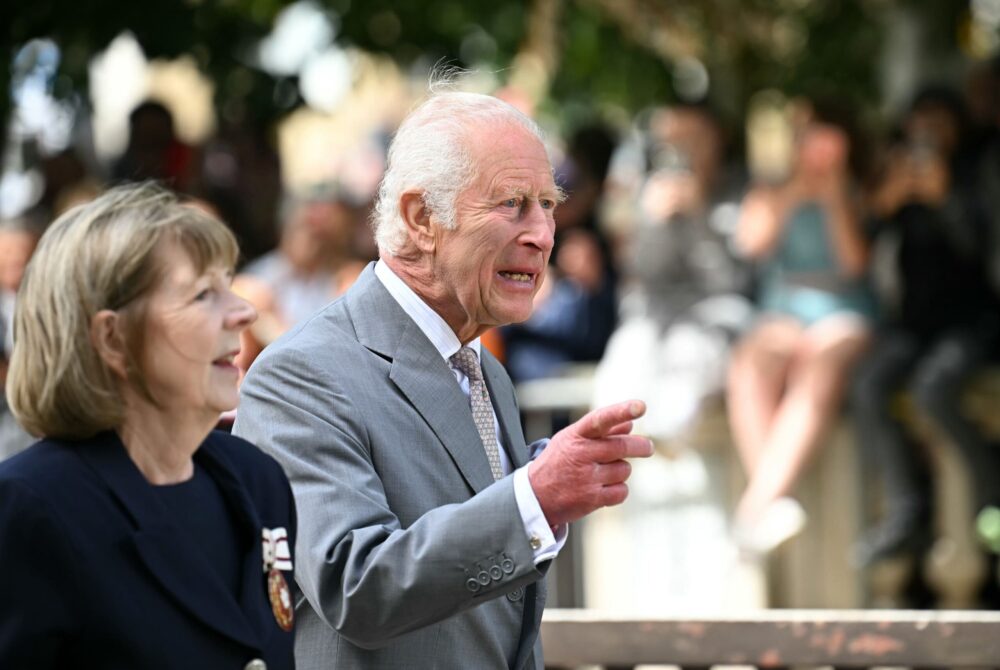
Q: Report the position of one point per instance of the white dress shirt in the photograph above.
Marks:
(543, 541)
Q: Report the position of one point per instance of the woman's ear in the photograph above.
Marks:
(108, 340)
(417, 216)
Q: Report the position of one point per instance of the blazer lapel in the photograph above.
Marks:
(171, 557)
(253, 588)
(420, 373)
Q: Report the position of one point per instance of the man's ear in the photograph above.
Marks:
(107, 338)
(417, 216)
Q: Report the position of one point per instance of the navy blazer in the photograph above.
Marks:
(95, 574)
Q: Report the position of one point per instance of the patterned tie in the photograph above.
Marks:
(482, 409)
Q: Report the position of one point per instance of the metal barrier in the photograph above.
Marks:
(776, 638)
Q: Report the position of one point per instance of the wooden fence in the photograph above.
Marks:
(776, 639)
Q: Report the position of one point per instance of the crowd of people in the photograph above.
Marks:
(865, 273)
(869, 268)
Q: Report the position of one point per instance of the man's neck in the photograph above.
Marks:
(417, 279)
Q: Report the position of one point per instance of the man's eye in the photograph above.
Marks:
(547, 204)
(511, 202)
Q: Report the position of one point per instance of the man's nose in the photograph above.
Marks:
(541, 227)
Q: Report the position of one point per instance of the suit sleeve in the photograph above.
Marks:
(364, 574)
(37, 615)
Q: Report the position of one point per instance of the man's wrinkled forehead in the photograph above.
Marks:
(482, 144)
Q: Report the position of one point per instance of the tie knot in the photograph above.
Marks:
(465, 359)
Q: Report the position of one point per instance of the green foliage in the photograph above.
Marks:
(601, 69)
(607, 50)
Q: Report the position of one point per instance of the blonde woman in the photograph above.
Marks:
(132, 535)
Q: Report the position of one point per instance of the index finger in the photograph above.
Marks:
(601, 421)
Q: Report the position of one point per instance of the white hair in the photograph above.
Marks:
(430, 152)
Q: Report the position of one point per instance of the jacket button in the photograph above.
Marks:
(255, 664)
(507, 565)
(472, 585)
(516, 594)
(483, 578)
(496, 573)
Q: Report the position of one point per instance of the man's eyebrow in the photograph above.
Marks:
(554, 193)
(513, 189)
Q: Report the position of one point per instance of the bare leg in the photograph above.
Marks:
(756, 382)
(825, 358)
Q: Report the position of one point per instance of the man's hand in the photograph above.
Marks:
(584, 466)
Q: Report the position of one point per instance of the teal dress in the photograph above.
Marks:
(802, 278)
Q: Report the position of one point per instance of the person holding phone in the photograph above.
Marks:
(788, 374)
(941, 323)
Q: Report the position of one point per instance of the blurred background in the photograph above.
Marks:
(782, 231)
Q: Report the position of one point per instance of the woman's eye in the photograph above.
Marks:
(203, 295)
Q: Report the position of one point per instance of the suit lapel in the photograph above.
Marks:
(170, 555)
(420, 373)
(498, 384)
(252, 589)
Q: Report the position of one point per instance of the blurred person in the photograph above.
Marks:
(942, 325)
(788, 374)
(685, 297)
(426, 527)
(154, 152)
(576, 310)
(312, 265)
(132, 535)
(240, 173)
(18, 238)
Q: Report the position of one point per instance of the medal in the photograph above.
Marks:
(281, 599)
(277, 557)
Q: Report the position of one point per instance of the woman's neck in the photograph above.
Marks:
(161, 443)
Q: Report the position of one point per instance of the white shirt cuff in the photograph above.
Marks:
(544, 543)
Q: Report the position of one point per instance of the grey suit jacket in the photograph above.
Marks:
(409, 555)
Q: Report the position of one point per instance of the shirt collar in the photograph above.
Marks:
(428, 321)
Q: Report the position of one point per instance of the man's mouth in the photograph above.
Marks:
(525, 277)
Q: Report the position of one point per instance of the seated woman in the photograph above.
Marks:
(787, 376)
(132, 535)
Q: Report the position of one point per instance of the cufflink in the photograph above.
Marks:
(535, 542)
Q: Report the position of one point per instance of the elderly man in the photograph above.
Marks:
(424, 528)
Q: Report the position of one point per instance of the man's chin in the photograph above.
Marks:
(519, 316)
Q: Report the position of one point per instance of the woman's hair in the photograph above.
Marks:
(99, 255)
